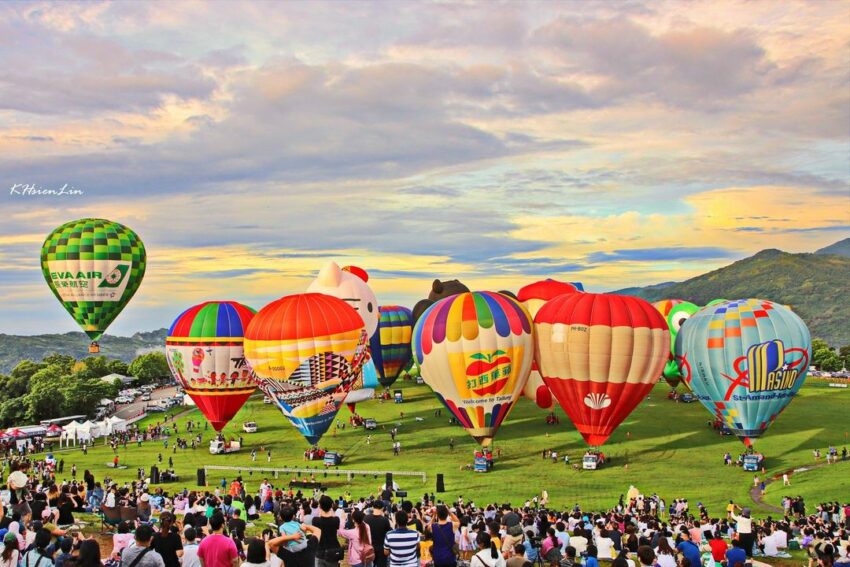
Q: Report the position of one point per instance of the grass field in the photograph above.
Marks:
(671, 451)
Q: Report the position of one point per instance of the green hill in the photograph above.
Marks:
(816, 286)
(842, 248)
(14, 348)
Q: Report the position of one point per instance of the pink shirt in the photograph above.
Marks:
(217, 551)
(355, 546)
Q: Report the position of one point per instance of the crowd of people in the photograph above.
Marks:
(211, 529)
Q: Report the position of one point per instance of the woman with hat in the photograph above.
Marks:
(11, 552)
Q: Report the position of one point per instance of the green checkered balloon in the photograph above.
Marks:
(94, 267)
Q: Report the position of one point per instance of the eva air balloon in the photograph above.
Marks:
(475, 351)
(93, 267)
(745, 360)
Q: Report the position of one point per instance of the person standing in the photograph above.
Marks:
(379, 526)
(401, 545)
(744, 527)
(167, 542)
(785, 480)
(217, 550)
(329, 552)
(444, 525)
(359, 538)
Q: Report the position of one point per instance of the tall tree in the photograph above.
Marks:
(149, 367)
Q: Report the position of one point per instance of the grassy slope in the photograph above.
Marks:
(671, 451)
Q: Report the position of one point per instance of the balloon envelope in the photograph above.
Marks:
(475, 351)
(532, 297)
(675, 312)
(93, 267)
(600, 355)
(204, 349)
(745, 360)
(307, 349)
(395, 328)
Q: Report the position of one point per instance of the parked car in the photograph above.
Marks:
(370, 423)
(146, 397)
(249, 427)
(267, 400)
(687, 398)
(123, 400)
(155, 408)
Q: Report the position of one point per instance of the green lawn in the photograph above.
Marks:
(671, 452)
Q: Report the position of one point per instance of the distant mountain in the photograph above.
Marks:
(816, 286)
(14, 348)
(638, 290)
(842, 248)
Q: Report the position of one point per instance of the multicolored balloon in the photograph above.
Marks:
(394, 328)
(475, 351)
(219, 379)
(676, 312)
(745, 360)
(600, 355)
(307, 349)
(532, 297)
(93, 267)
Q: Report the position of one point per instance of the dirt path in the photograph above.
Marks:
(756, 495)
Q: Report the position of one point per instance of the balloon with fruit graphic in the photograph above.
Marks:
(93, 267)
(475, 351)
(532, 297)
(600, 355)
(307, 349)
(676, 312)
(211, 334)
(745, 360)
(350, 284)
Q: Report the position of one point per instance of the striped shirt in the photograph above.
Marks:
(403, 545)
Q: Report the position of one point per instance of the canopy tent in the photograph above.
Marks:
(76, 431)
(112, 424)
(54, 428)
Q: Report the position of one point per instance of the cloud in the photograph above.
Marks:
(661, 254)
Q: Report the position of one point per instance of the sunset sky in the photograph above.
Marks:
(615, 143)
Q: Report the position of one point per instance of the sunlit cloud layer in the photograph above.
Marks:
(612, 143)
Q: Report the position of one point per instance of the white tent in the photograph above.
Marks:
(112, 424)
(88, 431)
(70, 432)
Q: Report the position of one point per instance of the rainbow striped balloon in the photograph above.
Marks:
(475, 351)
(205, 353)
(394, 330)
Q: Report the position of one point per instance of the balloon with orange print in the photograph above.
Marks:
(475, 351)
(600, 355)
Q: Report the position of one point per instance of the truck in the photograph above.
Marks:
(753, 462)
(332, 459)
(220, 446)
(592, 461)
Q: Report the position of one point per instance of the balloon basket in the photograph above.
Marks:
(94, 348)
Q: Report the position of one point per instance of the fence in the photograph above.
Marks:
(349, 473)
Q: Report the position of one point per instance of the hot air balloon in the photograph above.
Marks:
(600, 355)
(350, 284)
(307, 349)
(676, 312)
(219, 379)
(94, 267)
(475, 351)
(394, 330)
(745, 360)
(532, 297)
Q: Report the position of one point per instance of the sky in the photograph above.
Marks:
(612, 143)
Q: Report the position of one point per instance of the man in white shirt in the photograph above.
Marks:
(768, 542)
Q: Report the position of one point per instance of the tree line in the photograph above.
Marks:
(59, 385)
